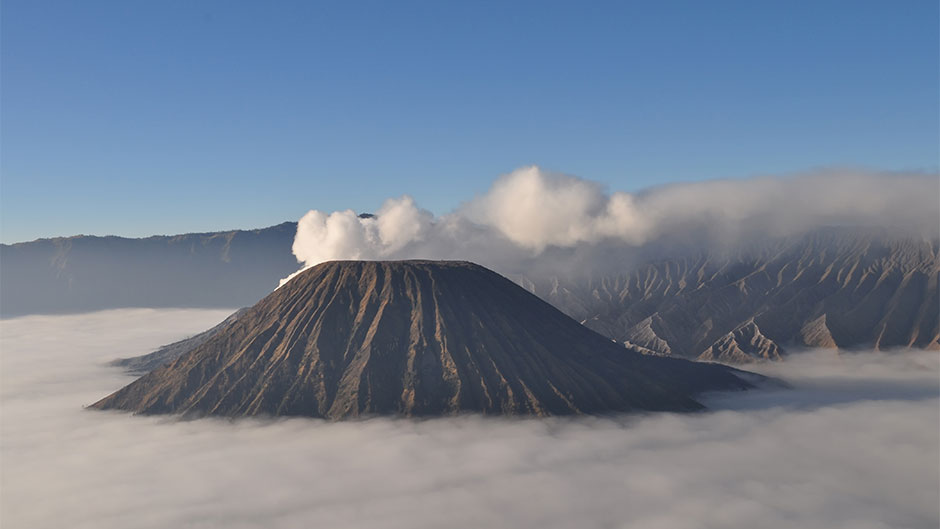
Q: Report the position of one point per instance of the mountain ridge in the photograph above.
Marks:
(832, 289)
(81, 273)
(844, 288)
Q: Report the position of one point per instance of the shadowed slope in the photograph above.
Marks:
(353, 338)
(77, 274)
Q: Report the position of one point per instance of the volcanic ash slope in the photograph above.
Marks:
(414, 338)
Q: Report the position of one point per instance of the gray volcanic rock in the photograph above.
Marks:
(834, 288)
(414, 338)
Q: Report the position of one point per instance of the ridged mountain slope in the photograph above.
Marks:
(413, 338)
(834, 288)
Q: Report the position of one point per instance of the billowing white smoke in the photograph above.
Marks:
(344, 235)
(530, 210)
(535, 209)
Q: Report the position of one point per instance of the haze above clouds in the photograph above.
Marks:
(855, 444)
(530, 210)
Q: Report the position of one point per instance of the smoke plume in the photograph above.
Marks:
(531, 211)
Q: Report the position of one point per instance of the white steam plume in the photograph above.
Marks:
(530, 210)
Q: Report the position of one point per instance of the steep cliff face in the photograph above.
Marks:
(831, 288)
(413, 338)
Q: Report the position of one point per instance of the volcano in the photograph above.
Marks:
(349, 339)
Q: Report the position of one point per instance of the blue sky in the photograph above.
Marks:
(138, 118)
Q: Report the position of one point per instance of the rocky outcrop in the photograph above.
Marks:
(646, 334)
(744, 344)
(816, 334)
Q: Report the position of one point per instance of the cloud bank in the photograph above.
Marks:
(855, 445)
(530, 210)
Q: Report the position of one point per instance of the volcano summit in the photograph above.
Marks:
(414, 338)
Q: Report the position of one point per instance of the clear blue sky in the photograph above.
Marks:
(137, 118)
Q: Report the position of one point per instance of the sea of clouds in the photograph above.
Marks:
(530, 211)
(854, 444)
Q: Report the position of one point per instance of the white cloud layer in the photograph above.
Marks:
(531, 210)
(856, 444)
